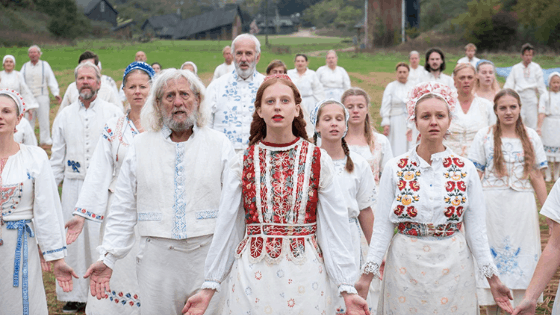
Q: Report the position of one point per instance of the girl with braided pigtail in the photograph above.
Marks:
(352, 172)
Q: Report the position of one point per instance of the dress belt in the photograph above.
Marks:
(426, 230)
(22, 226)
(280, 230)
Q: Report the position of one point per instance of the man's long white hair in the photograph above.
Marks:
(151, 117)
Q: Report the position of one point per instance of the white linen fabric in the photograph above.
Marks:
(377, 159)
(472, 61)
(551, 210)
(231, 101)
(15, 81)
(549, 104)
(29, 193)
(93, 203)
(107, 80)
(105, 93)
(513, 233)
(394, 114)
(443, 78)
(416, 76)
(223, 69)
(302, 258)
(334, 82)
(464, 126)
(24, 133)
(311, 91)
(528, 82)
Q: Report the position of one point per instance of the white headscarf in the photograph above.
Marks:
(9, 56)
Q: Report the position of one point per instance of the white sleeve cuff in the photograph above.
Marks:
(346, 288)
(212, 285)
(109, 260)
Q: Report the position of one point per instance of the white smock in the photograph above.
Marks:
(394, 114)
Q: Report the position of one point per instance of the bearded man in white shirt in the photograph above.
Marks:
(227, 66)
(435, 64)
(231, 98)
(76, 131)
(39, 77)
(169, 188)
(526, 78)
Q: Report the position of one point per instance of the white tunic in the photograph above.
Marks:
(393, 112)
(93, 203)
(24, 133)
(105, 93)
(529, 83)
(110, 82)
(378, 157)
(29, 193)
(14, 80)
(223, 69)
(551, 210)
(168, 189)
(466, 59)
(464, 126)
(443, 78)
(311, 91)
(416, 76)
(549, 104)
(334, 82)
(511, 209)
(231, 101)
(39, 78)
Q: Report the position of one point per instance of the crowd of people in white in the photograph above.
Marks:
(275, 194)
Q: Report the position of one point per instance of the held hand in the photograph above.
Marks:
(501, 294)
(198, 303)
(382, 269)
(355, 305)
(45, 265)
(64, 274)
(100, 278)
(74, 226)
(386, 130)
(362, 286)
(58, 99)
(526, 307)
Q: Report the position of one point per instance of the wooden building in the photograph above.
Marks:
(222, 24)
(99, 10)
(161, 26)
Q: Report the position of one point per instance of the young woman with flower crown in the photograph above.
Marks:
(352, 172)
(281, 234)
(428, 194)
(509, 158)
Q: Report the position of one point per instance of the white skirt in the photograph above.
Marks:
(428, 275)
(397, 134)
(550, 139)
(280, 288)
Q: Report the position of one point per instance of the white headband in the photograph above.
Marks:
(9, 56)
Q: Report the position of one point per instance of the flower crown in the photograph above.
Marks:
(278, 76)
(18, 99)
(421, 90)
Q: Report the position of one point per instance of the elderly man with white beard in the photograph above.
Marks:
(231, 97)
(169, 187)
(75, 133)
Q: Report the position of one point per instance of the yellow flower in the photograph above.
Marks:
(408, 175)
(399, 173)
(406, 200)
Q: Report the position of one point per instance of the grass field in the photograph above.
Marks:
(372, 72)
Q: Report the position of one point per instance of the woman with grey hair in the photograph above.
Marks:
(335, 79)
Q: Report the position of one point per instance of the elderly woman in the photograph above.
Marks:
(99, 186)
(472, 114)
(189, 65)
(335, 79)
(486, 85)
(30, 207)
(428, 194)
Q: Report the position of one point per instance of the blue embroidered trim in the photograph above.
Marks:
(75, 165)
(89, 214)
(150, 216)
(179, 206)
(54, 251)
(21, 226)
(543, 164)
(479, 166)
(206, 214)
(124, 299)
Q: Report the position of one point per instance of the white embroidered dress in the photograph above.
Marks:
(359, 193)
(551, 210)
(549, 104)
(429, 266)
(231, 100)
(378, 157)
(76, 131)
(334, 82)
(511, 216)
(529, 83)
(31, 215)
(284, 199)
(93, 204)
(393, 112)
(311, 91)
(464, 126)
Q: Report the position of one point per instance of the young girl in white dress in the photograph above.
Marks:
(548, 126)
(428, 194)
(284, 216)
(509, 158)
(486, 84)
(352, 172)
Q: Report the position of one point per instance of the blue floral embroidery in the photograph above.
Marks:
(179, 206)
(150, 216)
(75, 165)
(479, 166)
(124, 299)
(506, 258)
(548, 149)
(54, 251)
(206, 214)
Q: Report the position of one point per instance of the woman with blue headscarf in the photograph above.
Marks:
(99, 185)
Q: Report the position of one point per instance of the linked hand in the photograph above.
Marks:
(198, 303)
(100, 278)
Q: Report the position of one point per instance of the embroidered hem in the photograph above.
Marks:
(88, 215)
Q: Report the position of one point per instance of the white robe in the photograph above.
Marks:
(105, 93)
(416, 76)
(528, 82)
(311, 91)
(551, 210)
(466, 59)
(394, 114)
(549, 104)
(15, 81)
(25, 133)
(334, 82)
(223, 69)
(378, 157)
(40, 78)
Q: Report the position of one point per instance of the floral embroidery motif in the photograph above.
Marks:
(124, 299)
(506, 258)
(455, 188)
(423, 230)
(54, 251)
(179, 205)
(10, 197)
(408, 188)
(206, 214)
(150, 216)
(75, 166)
(551, 150)
(89, 214)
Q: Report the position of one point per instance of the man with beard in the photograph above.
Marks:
(76, 131)
(169, 188)
(231, 97)
(106, 91)
(435, 64)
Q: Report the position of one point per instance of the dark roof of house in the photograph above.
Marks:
(123, 25)
(162, 21)
(206, 21)
(89, 5)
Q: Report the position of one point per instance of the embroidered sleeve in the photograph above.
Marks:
(373, 268)
(540, 155)
(488, 270)
(348, 288)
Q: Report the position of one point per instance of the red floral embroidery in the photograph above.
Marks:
(411, 211)
(447, 162)
(408, 186)
(458, 162)
(461, 185)
(450, 186)
(449, 212)
(414, 185)
(460, 211)
(399, 210)
(456, 196)
(402, 163)
(402, 184)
